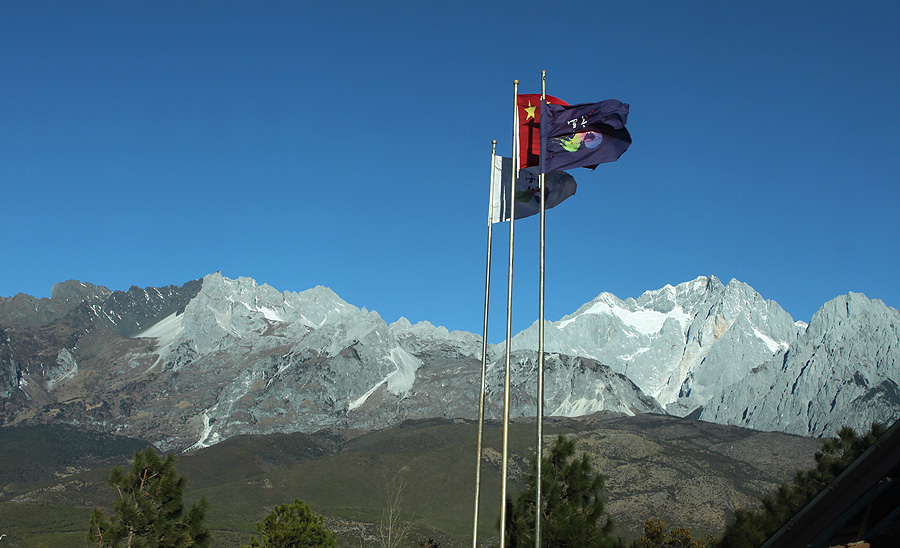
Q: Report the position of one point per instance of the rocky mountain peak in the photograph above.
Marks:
(73, 291)
(187, 366)
(852, 309)
(841, 371)
(65, 297)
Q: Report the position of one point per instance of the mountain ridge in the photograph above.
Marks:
(189, 366)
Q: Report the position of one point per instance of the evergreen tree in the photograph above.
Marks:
(750, 528)
(149, 512)
(292, 526)
(657, 535)
(573, 513)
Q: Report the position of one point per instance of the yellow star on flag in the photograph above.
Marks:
(529, 110)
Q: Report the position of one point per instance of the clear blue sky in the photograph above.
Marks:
(347, 145)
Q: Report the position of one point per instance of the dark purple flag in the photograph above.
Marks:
(583, 135)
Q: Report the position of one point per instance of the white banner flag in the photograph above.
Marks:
(558, 186)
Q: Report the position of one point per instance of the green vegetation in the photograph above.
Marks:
(434, 460)
(573, 511)
(752, 527)
(45, 525)
(149, 512)
(35, 453)
(657, 535)
(346, 479)
(292, 526)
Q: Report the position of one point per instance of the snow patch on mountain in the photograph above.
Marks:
(402, 379)
(207, 437)
(774, 346)
(234, 357)
(647, 322)
(166, 330)
(842, 370)
(362, 399)
(680, 344)
(577, 408)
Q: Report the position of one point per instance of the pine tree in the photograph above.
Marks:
(573, 513)
(657, 535)
(750, 528)
(149, 512)
(292, 526)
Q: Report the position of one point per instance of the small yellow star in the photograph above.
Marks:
(529, 110)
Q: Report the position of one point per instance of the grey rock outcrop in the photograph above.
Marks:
(682, 345)
(573, 387)
(189, 366)
(843, 371)
(23, 309)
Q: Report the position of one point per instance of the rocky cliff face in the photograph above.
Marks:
(843, 370)
(186, 367)
(682, 345)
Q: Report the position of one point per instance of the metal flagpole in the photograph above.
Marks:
(512, 223)
(540, 380)
(487, 293)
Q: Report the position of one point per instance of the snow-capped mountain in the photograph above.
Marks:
(843, 370)
(680, 345)
(189, 366)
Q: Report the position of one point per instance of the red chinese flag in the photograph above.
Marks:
(529, 106)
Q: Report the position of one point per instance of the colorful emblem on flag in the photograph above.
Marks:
(583, 135)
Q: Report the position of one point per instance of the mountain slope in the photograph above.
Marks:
(844, 370)
(681, 345)
(187, 367)
(683, 471)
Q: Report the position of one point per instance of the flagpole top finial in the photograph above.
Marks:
(493, 141)
(516, 82)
